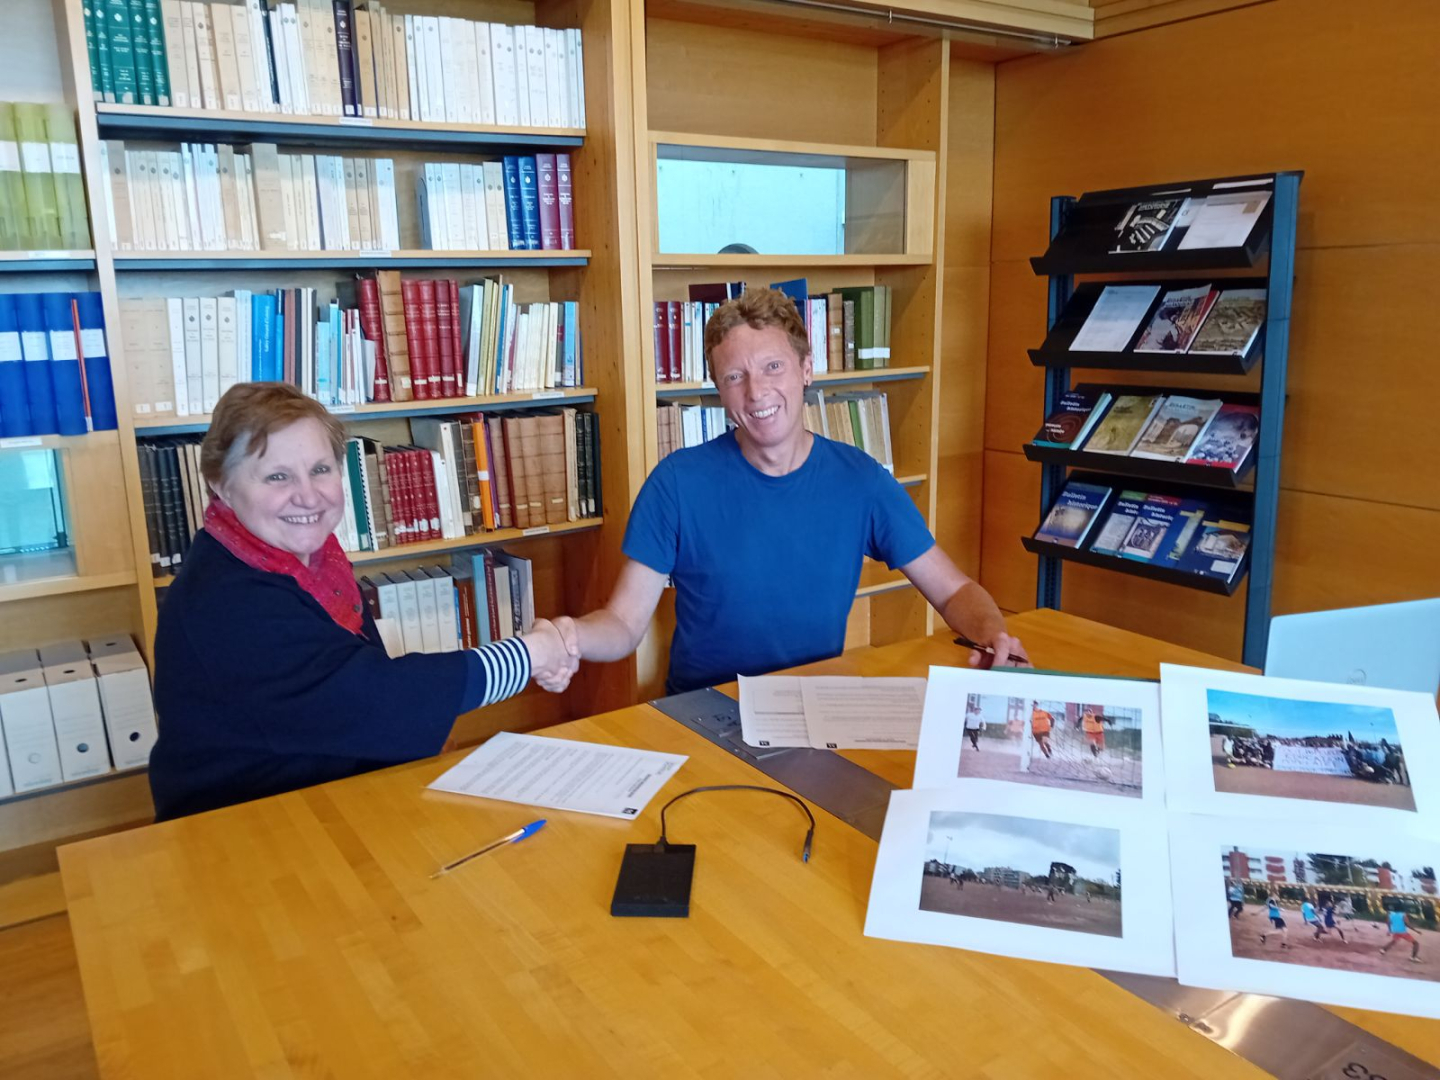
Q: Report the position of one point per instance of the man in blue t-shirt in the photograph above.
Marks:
(764, 530)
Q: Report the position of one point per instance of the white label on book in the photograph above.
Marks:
(93, 342)
(538, 530)
(142, 407)
(9, 346)
(164, 406)
(62, 345)
(336, 410)
(33, 342)
(65, 158)
(9, 156)
(357, 121)
(546, 395)
(35, 156)
(20, 442)
(47, 255)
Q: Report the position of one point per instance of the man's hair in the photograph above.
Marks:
(245, 418)
(757, 309)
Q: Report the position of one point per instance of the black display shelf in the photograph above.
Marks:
(1135, 568)
(1056, 352)
(1083, 246)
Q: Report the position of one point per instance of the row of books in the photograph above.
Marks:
(520, 203)
(333, 58)
(218, 197)
(482, 596)
(1224, 218)
(396, 341)
(71, 711)
(1160, 427)
(42, 192)
(1203, 320)
(459, 478)
(679, 427)
(1185, 534)
(860, 419)
(54, 365)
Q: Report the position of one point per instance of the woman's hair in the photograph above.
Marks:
(757, 309)
(245, 418)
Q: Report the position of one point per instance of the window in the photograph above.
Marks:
(34, 526)
(705, 206)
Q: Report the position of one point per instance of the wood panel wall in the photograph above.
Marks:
(1318, 85)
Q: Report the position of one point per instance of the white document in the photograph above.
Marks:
(1251, 746)
(1225, 220)
(847, 712)
(1114, 318)
(1069, 733)
(1036, 874)
(772, 711)
(1361, 875)
(561, 774)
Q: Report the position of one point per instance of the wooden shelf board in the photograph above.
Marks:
(882, 587)
(826, 378)
(33, 262)
(667, 261)
(116, 774)
(911, 481)
(60, 442)
(174, 425)
(365, 260)
(59, 586)
(157, 122)
(732, 148)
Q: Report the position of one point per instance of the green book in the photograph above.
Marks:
(857, 423)
(101, 74)
(69, 184)
(122, 52)
(12, 185)
(159, 62)
(92, 48)
(140, 43)
(883, 295)
(864, 298)
(41, 224)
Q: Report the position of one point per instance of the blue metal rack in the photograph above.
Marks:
(1078, 231)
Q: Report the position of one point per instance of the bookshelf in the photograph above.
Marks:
(1082, 232)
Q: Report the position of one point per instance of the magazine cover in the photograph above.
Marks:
(1121, 428)
(1146, 225)
(1232, 323)
(1179, 422)
(1177, 320)
(1228, 440)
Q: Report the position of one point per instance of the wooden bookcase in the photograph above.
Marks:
(739, 77)
(1081, 232)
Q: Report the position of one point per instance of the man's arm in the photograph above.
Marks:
(965, 606)
(614, 631)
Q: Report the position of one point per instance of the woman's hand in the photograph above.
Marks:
(553, 660)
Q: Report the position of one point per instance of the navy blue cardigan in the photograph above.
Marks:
(259, 691)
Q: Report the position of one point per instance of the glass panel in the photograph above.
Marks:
(33, 520)
(707, 206)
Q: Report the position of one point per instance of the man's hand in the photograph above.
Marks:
(551, 662)
(570, 634)
(1006, 651)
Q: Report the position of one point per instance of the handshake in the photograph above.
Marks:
(554, 647)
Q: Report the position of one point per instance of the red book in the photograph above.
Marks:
(374, 330)
(465, 594)
(676, 353)
(431, 506)
(662, 342)
(564, 185)
(430, 331)
(415, 339)
(457, 342)
(549, 192)
(492, 602)
(445, 342)
(402, 499)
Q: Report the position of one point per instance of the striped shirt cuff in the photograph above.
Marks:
(507, 668)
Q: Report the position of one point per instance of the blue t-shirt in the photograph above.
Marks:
(1307, 912)
(1397, 922)
(766, 567)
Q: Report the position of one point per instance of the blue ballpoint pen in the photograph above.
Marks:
(514, 838)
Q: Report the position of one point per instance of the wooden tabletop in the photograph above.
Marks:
(302, 936)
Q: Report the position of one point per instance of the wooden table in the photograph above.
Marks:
(301, 935)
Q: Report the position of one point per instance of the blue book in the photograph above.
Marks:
(277, 343)
(1073, 514)
(529, 204)
(35, 347)
(324, 348)
(262, 335)
(1111, 537)
(1217, 550)
(14, 407)
(99, 383)
(798, 290)
(482, 598)
(65, 380)
(1161, 520)
(506, 297)
(572, 344)
(513, 219)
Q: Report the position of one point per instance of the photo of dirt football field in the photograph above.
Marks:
(1027, 905)
(1359, 952)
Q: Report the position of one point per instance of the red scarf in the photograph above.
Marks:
(328, 578)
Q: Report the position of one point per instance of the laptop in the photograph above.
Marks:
(1394, 646)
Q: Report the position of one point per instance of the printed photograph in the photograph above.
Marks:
(1022, 870)
(1307, 750)
(1074, 746)
(1353, 913)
